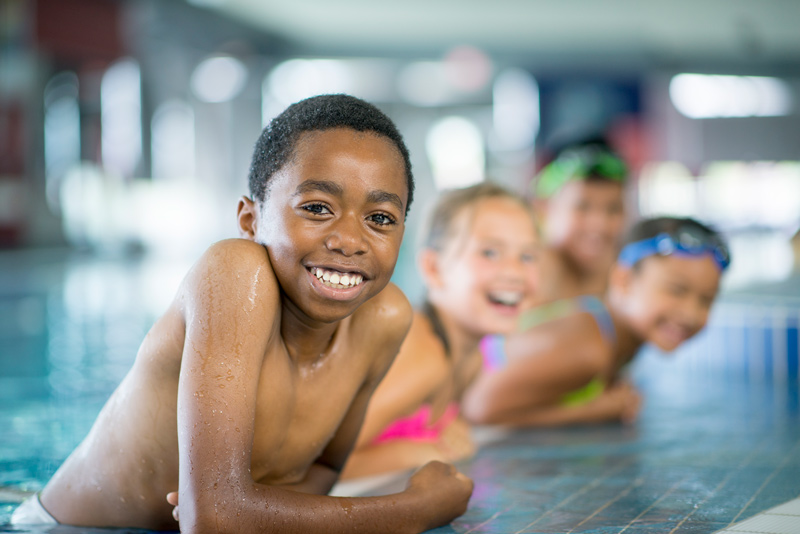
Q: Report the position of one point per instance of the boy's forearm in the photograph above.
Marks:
(272, 509)
(557, 415)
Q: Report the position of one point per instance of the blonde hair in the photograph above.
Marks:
(440, 228)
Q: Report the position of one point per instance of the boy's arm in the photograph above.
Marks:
(543, 366)
(618, 403)
(227, 333)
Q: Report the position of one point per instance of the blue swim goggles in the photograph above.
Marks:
(688, 241)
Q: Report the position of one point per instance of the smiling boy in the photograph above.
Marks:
(249, 392)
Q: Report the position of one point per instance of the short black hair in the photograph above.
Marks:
(278, 141)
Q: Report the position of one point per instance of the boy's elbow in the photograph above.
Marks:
(206, 516)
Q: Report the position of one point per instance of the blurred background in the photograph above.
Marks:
(126, 130)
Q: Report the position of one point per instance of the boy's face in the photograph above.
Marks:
(333, 220)
(487, 273)
(667, 300)
(585, 219)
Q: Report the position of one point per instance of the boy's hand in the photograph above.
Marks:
(444, 489)
(172, 498)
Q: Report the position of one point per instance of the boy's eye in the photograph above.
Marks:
(382, 219)
(528, 258)
(489, 253)
(317, 208)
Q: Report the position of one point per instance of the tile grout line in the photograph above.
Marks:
(492, 518)
(788, 457)
(719, 486)
(636, 483)
(584, 489)
(548, 484)
(669, 491)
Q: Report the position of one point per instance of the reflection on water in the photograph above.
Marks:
(71, 328)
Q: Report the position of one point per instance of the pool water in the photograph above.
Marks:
(717, 442)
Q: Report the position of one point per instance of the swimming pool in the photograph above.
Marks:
(718, 441)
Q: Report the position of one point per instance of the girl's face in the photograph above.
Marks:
(585, 219)
(486, 274)
(667, 300)
(332, 221)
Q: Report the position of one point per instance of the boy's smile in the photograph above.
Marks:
(333, 219)
(672, 297)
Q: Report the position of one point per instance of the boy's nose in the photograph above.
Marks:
(347, 237)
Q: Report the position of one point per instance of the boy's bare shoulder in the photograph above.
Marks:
(233, 263)
(388, 311)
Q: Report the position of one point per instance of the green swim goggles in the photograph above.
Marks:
(578, 164)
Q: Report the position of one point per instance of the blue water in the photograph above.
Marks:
(718, 440)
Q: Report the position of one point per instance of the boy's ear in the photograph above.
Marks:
(428, 262)
(247, 218)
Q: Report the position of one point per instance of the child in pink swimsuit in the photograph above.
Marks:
(479, 268)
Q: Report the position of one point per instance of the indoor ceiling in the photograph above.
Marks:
(733, 34)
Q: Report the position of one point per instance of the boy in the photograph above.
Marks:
(248, 394)
(566, 370)
(580, 199)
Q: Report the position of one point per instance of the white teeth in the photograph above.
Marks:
(509, 298)
(336, 279)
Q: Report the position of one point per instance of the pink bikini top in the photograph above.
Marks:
(418, 426)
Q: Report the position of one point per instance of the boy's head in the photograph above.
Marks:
(666, 278)
(331, 182)
(479, 257)
(278, 142)
(580, 196)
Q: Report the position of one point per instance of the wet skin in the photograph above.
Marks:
(258, 375)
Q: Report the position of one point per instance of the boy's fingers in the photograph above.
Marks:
(172, 498)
